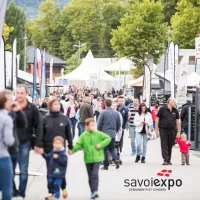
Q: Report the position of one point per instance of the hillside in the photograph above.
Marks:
(31, 7)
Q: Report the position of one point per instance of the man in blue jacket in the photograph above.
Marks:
(124, 112)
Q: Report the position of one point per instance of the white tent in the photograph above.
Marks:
(88, 74)
(193, 79)
(122, 64)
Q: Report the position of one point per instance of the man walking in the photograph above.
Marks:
(166, 121)
(86, 111)
(184, 117)
(19, 120)
(124, 112)
(133, 109)
(109, 122)
(32, 134)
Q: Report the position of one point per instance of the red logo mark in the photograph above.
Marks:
(165, 172)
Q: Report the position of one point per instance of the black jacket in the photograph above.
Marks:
(19, 120)
(56, 124)
(184, 115)
(34, 128)
(56, 168)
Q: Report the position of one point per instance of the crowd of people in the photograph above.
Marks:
(49, 127)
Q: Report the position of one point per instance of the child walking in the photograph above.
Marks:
(56, 166)
(184, 145)
(93, 143)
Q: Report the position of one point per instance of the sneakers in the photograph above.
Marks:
(169, 163)
(143, 160)
(49, 197)
(165, 163)
(94, 195)
(137, 159)
(64, 194)
(103, 168)
(117, 164)
(183, 164)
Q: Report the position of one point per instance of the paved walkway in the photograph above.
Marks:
(112, 181)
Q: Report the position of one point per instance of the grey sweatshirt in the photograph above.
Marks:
(6, 133)
(109, 122)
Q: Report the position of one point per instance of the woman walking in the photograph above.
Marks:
(71, 114)
(98, 108)
(143, 122)
(6, 140)
(56, 124)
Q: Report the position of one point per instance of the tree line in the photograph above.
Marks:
(136, 29)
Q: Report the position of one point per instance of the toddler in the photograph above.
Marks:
(184, 145)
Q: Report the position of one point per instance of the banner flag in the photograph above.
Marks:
(51, 72)
(8, 69)
(171, 66)
(39, 67)
(197, 49)
(176, 63)
(2, 66)
(35, 75)
(3, 4)
(14, 65)
(43, 76)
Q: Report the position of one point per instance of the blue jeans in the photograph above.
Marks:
(23, 161)
(133, 138)
(154, 125)
(141, 139)
(82, 127)
(73, 122)
(6, 178)
(79, 129)
(112, 149)
(55, 185)
(97, 113)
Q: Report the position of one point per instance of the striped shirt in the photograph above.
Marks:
(132, 111)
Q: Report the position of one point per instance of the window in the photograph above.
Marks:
(179, 59)
(192, 60)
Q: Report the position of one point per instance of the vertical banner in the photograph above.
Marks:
(14, 65)
(171, 67)
(176, 63)
(3, 4)
(43, 77)
(8, 70)
(197, 49)
(39, 67)
(51, 72)
(147, 85)
(182, 84)
(35, 75)
(2, 66)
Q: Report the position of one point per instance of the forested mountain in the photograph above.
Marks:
(31, 7)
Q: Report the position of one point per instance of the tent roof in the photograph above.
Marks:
(138, 82)
(193, 79)
(88, 67)
(123, 64)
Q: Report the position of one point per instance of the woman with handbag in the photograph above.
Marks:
(143, 122)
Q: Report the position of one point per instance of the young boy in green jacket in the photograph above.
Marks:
(93, 143)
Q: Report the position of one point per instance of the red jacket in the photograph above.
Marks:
(184, 145)
(69, 110)
(154, 114)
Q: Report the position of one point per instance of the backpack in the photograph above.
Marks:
(78, 115)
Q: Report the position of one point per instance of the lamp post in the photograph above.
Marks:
(79, 45)
(25, 39)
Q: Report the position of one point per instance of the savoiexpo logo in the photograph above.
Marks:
(161, 183)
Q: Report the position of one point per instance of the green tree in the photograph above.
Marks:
(185, 23)
(142, 34)
(6, 32)
(15, 17)
(46, 31)
(91, 22)
(169, 9)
